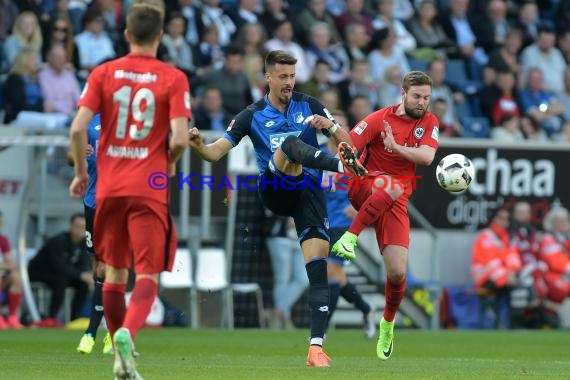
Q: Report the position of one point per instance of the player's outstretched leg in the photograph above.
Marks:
(124, 366)
(349, 160)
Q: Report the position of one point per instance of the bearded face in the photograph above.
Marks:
(416, 101)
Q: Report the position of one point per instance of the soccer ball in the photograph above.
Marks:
(454, 173)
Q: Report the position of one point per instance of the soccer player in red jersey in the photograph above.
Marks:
(141, 101)
(393, 141)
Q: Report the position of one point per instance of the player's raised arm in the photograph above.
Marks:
(422, 155)
(78, 143)
(210, 152)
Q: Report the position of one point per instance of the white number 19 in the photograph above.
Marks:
(123, 97)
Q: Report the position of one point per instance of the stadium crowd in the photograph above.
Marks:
(487, 57)
(499, 67)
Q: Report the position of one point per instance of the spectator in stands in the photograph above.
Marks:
(316, 12)
(359, 83)
(60, 263)
(283, 40)
(391, 91)
(232, 81)
(545, 55)
(555, 252)
(77, 12)
(355, 43)
(564, 136)
(289, 279)
(528, 22)
(193, 19)
(430, 37)
(508, 129)
(383, 54)
(495, 262)
(403, 10)
(444, 90)
(459, 29)
(491, 25)
(244, 13)
(60, 33)
(214, 15)
(320, 48)
(354, 14)
(210, 114)
(22, 90)
(506, 57)
(26, 34)
(500, 99)
(319, 82)
(330, 99)
(58, 83)
(113, 14)
(177, 47)
(359, 108)
(562, 16)
(384, 18)
(251, 39)
(440, 109)
(93, 43)
(540, 104)
(274, 14)
(10, 282)
(208, 54)
(531, 131)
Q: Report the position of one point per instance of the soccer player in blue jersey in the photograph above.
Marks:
(88, 339)
(282, 127)
(341, 214)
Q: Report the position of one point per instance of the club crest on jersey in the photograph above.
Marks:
(360, 127)
(231, 125)
(419, 132)
(298, 117)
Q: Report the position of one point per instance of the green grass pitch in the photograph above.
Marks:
(264, 354)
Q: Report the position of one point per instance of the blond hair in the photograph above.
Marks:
(416, 78)
(35, 40)
(20, 65)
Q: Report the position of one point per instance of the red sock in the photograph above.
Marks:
(14, 301)
(144, 293)
(114, 307)
(394, 295)
(372, 209)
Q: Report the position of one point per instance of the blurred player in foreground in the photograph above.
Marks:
(141, 101)
(393, 140)
(282, 127)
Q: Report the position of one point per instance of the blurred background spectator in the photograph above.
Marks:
(60, 263)
(26, 34)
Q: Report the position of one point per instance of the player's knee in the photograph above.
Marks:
(289, 145)
(397, 276)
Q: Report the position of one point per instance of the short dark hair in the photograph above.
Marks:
(416, 78)
(278, 57)
(77, 215)
(234, 50)
(144, 22)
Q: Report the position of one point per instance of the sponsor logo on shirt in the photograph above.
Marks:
(360, 127)
(435, 133)
(277, 139)
(270, 124)
(419, 132)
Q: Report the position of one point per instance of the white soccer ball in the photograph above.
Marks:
(454, 173)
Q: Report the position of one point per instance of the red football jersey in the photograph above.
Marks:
(367, 137)
(137, 96)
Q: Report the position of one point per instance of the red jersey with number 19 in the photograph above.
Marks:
(137, 96)
(367, 137)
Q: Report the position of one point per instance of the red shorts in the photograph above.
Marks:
(393, 228)
(135, 229)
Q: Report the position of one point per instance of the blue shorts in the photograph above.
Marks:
(306, 204)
